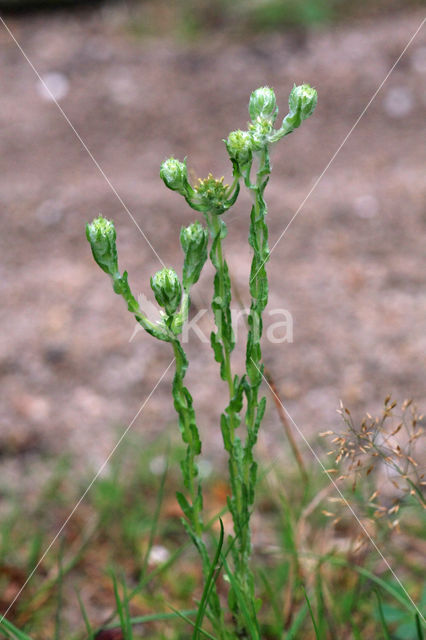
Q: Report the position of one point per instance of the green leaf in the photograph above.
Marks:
(180, 614)
(248, 618)
(211, 578)
(89, 628)
(311, 613)
(154, 523)
(418, 627)
(386, 633)
(386, 586)
(297, 623)
(119, 605)
(184, 505)
(12, 632)
(217, 348)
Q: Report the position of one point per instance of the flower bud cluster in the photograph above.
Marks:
(167, 290)
(263, 111)
(209, 195)
(175, 176)
(263, 105)
(212, 194)
(303, 99)
(260, 132)
(102, 237)
(239, 146)
(166, 285)
(194, 240)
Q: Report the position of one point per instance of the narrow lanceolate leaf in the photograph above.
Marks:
(12, 632)
(212, 576)
(419, 629)
(184, 505)
(385, 629)
(311, 613)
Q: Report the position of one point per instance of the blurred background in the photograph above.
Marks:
(141, 81)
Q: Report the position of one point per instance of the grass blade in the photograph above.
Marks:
(108, 624)
(311, 613)
(129, 628)
(89, 628)
(189, 621)
(418, 627)
(60, 585)
(251, 626)
(356, 632)
(154, 525)
(120, 609)
(209, 584)
(12, 631)
(274, 604)
(386, 633)
(379, 581)
(297, 623)
(152, 617)
(321, 610)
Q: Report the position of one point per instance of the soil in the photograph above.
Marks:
(350, 269)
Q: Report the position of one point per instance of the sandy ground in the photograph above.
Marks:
(350, 269)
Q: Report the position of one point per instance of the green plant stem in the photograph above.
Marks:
(223, 343)
(224, 337)
(193, 507)
(258, 285)
(189, 432)
(242, 466)
(258, 240)
(227, 348)
(211, 197)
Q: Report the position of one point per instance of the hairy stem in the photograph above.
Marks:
(223, 343)
(183, 405)
(193, 507)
